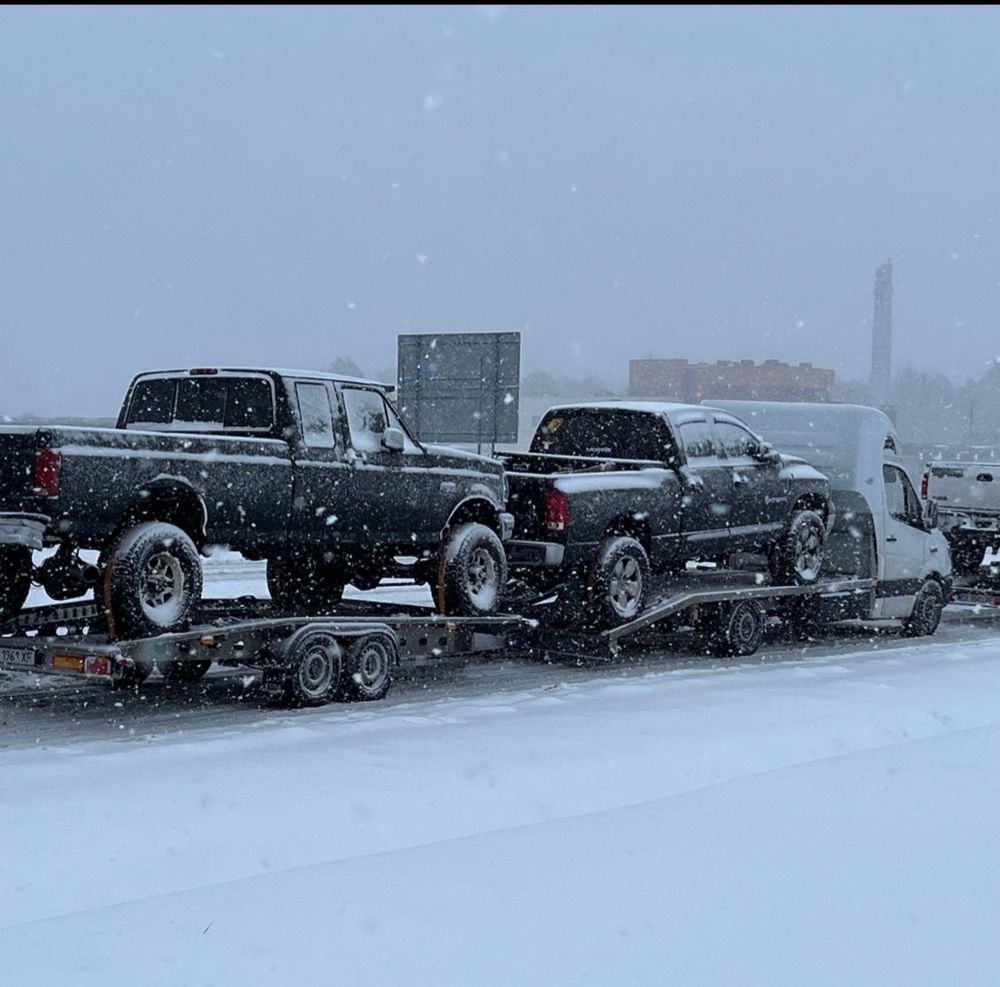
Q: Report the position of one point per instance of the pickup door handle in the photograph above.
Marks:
(891, 538)
(739, 478)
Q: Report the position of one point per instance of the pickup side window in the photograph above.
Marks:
(368, 416)
(698, 442)
(737, 442)
(316, 416)
(900, 497)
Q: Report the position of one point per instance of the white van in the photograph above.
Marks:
(881, 529)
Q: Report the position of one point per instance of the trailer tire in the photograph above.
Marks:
(368, 664)
(927, 608)
(152, 581)
(619, 580)
(798, 555)
(472, 572)
(304, 581)
(737, 629)
(182, 672)
(15, 579)
(314, 668)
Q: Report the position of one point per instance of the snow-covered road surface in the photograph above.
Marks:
(826, 817)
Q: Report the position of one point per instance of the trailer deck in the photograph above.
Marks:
(349, 653)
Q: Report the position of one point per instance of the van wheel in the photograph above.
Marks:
(927, 609)
(152, 581)
(15, 579)
(798, 555)
(304, 582)
(619, 581)
(472, 572)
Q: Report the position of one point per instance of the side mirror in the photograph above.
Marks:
(931, 515)
(766, 453)
(393, 439)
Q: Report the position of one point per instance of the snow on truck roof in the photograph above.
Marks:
(624, 404)
(280, 371)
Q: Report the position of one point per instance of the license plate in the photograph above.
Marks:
(17, 658)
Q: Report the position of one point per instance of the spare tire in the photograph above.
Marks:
(152, 581)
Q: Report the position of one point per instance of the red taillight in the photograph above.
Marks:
(47, 465)
(924, 480)
(556, 511)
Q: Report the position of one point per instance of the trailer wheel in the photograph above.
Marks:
(180, 672)
(304, 581)
(15, 579)
(926, 614)
(619, 580)
(152, 581)
(472, 572)
(798, 555)
(313, 670)
(368, 664)
(737, 629)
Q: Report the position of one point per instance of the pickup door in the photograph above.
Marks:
(708, 490)
(759, 498)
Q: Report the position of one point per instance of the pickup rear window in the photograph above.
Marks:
(617, 434)
(239, 404)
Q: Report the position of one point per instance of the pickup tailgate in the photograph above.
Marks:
(18, 449)
(531, 475)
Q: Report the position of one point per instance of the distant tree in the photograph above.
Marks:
(345, 366)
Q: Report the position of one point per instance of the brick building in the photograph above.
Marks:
(772, 380)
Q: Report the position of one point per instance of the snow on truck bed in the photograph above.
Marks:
(824, 821)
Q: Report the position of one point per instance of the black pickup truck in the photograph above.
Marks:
(610, 491)
(313, 472)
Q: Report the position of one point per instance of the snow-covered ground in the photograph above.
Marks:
(823, 817)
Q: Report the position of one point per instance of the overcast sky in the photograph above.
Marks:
(263, 185)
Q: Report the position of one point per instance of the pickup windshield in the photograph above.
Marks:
(215, 404)
(616, 433)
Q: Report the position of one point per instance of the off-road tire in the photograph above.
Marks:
(15, 579)
(797, 557)
(926, 614)
(368, 665)
(304, 582)
(472, 572)
(152, 581)
(618, 587)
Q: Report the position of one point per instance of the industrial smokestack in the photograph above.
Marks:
(881, 379)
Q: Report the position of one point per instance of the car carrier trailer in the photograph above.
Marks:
(350, 654)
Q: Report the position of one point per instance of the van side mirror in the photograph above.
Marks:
(931, 515)
(393, 439)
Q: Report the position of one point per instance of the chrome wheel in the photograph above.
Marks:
(625, 586)
(162, 593)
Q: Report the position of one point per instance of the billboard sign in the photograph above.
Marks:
(460, 387)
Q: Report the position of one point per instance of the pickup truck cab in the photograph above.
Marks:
(882, 530)
(313, 472)
(966, 497)
(611, 491)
